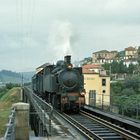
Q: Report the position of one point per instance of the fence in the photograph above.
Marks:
(107, 103)
(9, 134)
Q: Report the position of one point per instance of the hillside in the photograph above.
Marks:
(7, 76)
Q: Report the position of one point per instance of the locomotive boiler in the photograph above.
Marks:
(61, 85)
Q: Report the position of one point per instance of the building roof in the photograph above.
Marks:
(102, 51)
(87, 71)
(130, 49)
(105, 51)
(92, 66)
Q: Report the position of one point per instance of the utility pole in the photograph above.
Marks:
(102, 101)
(110, 70)
(137, 109)
(22, 80)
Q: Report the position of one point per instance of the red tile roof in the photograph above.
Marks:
(91, 66)
(87, 71)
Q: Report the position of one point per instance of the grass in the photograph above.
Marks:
(6, 100)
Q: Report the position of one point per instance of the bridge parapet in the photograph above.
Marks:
(21, 121)
(18, 125)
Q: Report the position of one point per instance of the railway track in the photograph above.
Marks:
(99, 129)
(92, 127)
(122, 121)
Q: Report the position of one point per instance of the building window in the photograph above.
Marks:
(103, 91)
(92, 97)
(92, 93)
(103, 82)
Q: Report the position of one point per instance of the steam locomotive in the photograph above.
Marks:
(61, 85)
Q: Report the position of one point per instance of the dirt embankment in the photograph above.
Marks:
(6, 101)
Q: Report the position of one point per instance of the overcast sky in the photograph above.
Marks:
(33, 32)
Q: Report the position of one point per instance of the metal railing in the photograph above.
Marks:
(124, 107)
(43, 109)
(9, 134)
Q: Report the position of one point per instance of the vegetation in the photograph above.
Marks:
(119, 68)
(87, 60)
(126, 95)
(138, 55)
(11, 85)
(8, 96)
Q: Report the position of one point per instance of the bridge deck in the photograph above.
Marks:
(59, 137)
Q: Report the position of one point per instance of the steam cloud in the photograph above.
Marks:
(61, 38)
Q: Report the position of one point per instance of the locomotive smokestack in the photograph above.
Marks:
(67, 59)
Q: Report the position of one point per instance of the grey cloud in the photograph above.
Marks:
(26, 27)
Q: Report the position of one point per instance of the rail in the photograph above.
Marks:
(73, 127)
(9, 134)
(124, 122)
(95, 128)
(121, 131)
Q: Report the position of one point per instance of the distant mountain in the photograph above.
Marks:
(28, 75)
(7, 76)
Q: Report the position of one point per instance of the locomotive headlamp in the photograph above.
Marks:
(69, 66)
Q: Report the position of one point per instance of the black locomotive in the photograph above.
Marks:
(61, 85)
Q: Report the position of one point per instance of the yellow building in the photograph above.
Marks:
(97, 88)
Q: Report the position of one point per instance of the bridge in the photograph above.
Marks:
(48, 123)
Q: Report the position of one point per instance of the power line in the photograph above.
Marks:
(25, 15)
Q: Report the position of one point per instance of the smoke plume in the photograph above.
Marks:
(61, 38)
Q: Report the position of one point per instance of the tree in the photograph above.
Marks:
(131, 69)
(107, 67)
(116, 88)
(114, 67)
(133, 82)
(122, 67)
(11, 85)
(128, 92)
(138, 55)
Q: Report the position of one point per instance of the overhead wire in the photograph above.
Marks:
(31, 21)
(25, 16)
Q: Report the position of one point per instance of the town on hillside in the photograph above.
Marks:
(103, 60)
(106, 67)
